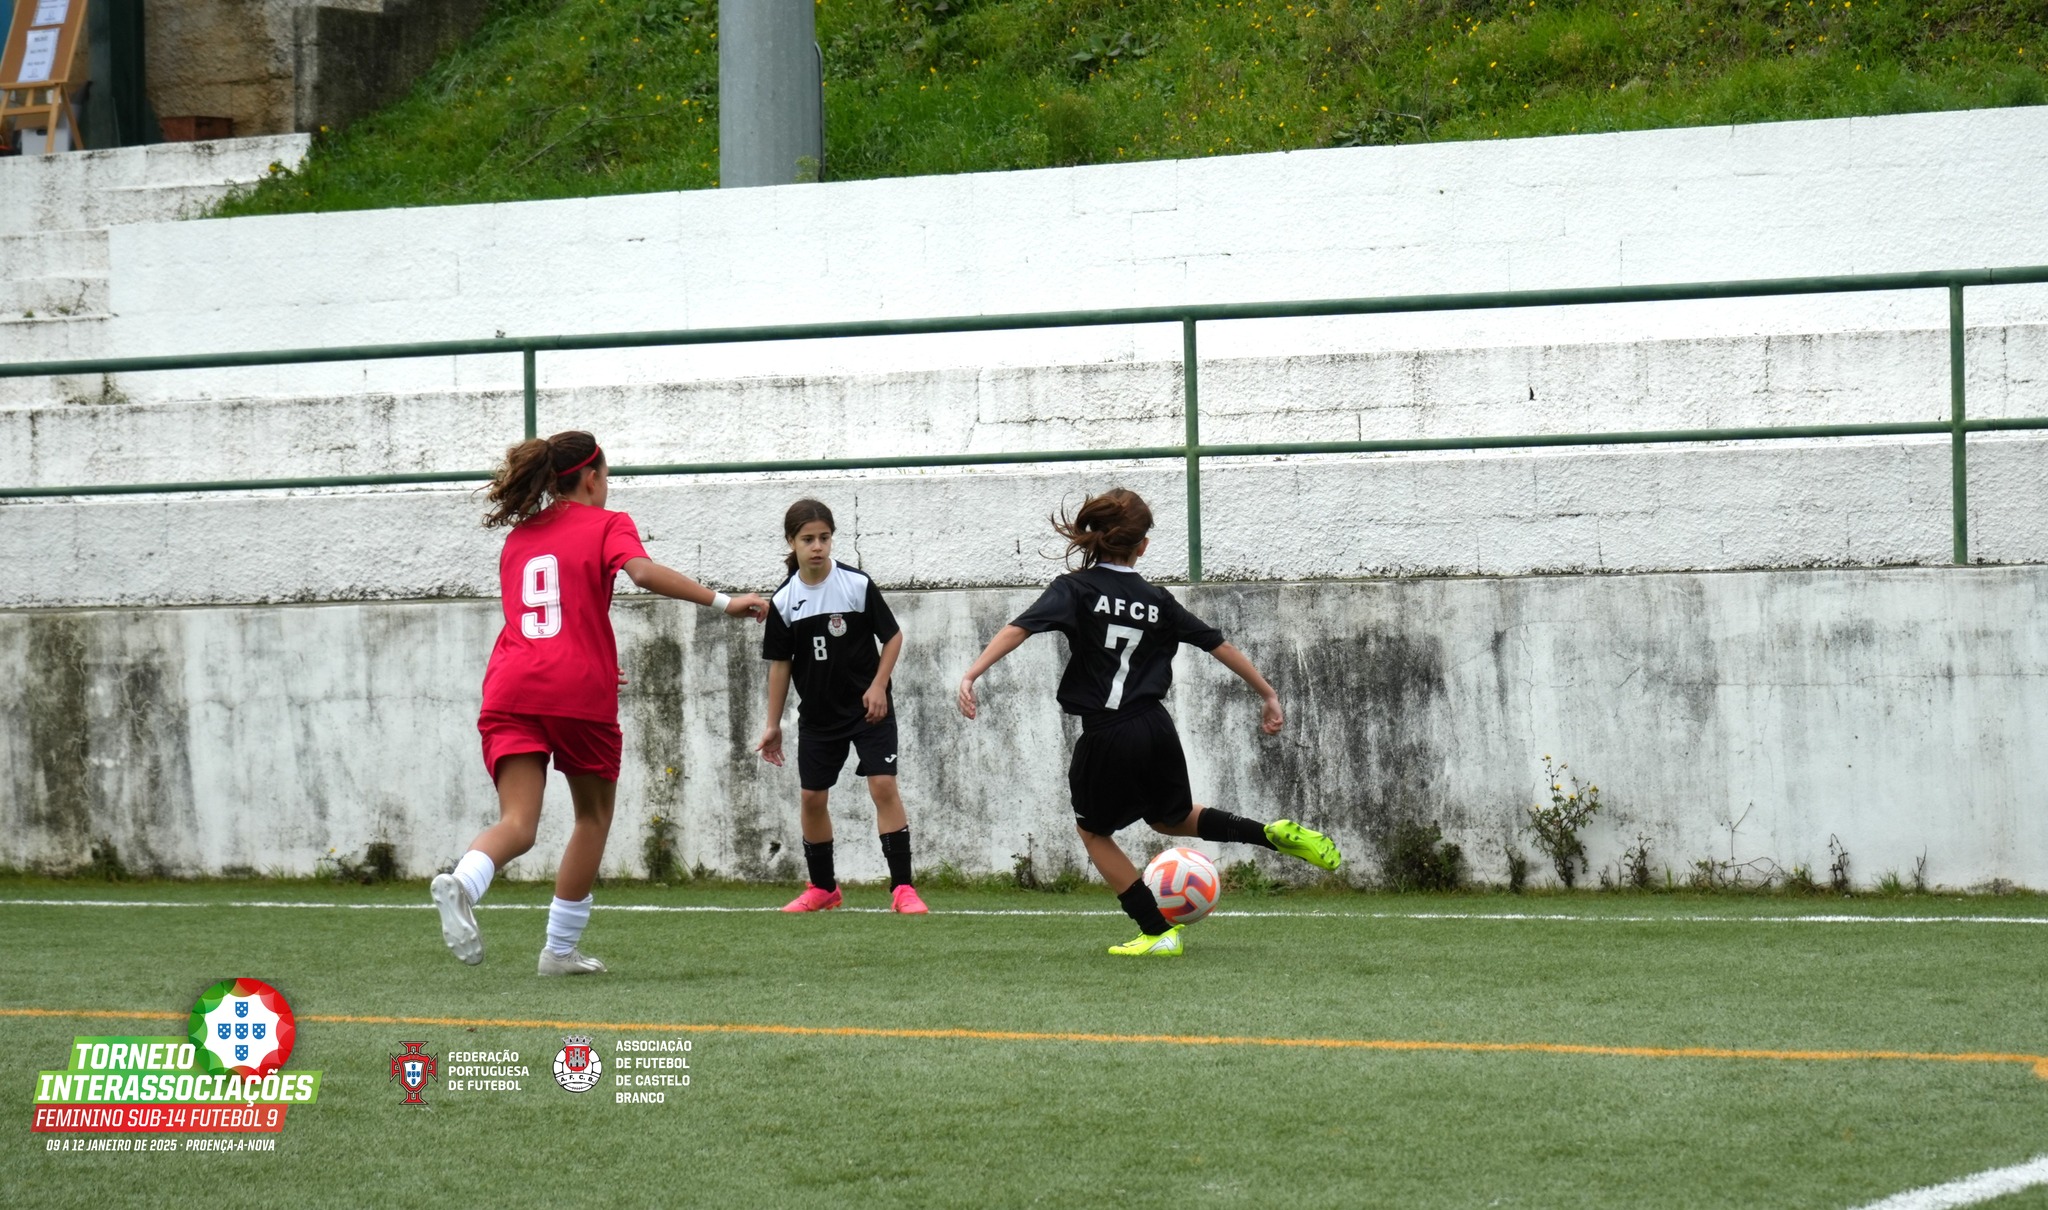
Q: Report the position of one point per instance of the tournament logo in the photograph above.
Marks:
(242, 1027)
(577, 1067)
(837, 625)
(412, 1070)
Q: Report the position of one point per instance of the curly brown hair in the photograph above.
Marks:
(533, 472)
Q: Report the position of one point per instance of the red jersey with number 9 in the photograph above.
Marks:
(556, 654)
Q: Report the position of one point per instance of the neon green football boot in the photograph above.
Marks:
(1165, 945)
(1306, 843)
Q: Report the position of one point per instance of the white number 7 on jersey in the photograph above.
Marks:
(1130, 637)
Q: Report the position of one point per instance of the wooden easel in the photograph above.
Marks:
(40, 63)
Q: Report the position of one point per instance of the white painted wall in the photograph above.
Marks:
(54, 215)
(1895, 709)
(235, 732)
(1911, 192)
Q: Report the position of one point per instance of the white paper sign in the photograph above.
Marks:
(40, 58)
(51, 12)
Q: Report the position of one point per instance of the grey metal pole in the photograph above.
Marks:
(770, 94)
(1959, 467)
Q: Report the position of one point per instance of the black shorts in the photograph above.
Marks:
(1130, 769)
(819, 759)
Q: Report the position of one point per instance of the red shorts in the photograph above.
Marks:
(580, 746)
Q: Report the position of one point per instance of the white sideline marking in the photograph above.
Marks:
(1313, 914)
(1969, 1190)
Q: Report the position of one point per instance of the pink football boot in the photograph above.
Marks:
(904, 899)
(814, 899)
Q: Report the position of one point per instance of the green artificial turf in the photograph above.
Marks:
(570, 98)
(833, 1120)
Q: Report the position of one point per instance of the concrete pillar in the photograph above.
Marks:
(770, 95)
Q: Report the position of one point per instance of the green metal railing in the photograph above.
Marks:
(1192, 450)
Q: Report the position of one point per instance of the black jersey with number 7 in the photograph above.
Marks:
(1122, 633)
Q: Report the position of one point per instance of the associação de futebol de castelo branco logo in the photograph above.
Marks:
(224, 1076)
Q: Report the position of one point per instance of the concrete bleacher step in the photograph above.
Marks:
(48, 338)
(54, 297)
(53, 253)
(132, 184)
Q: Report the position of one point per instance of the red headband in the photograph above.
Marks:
(563, 474)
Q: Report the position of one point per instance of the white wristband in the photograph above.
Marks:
(719, 601)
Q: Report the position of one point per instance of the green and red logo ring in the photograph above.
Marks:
(266, 1041)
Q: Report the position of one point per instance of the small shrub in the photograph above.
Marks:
(658, 850)
(1025, 872)
(1102, 53)
(1067, 881)
(380, 861)
(1920, 874)
(1800, 881)
(1891, 884)
(945, 876)
(1416, 857)
(1518, 871)
(1070, 128)
(1557, 825)
(104, 861)
(1635, 864)
(1246, 878)
(1838, 867)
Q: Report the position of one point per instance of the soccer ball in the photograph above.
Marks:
(1185, 883)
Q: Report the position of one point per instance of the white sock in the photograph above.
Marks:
(474, 872)
(566, 919)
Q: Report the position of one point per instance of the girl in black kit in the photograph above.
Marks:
(1122, 633)
(830, 632)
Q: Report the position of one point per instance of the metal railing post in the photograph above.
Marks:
(532, 397)
(1191, 407)
(1959, 466)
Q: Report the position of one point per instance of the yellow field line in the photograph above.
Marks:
(2039, 1063)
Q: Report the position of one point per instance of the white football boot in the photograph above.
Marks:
(458, 922)
(575, 962)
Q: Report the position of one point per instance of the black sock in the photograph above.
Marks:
(896, 851)
(1138, 903)
(818, 856)
(1222, 826)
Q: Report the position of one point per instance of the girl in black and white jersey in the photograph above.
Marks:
(1122, 633)
(831, 634)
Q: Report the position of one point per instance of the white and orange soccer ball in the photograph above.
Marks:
(1185, 883)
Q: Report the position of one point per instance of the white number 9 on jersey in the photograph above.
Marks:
(542, 592)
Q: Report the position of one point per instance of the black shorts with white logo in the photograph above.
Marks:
(1128, 769)
(819, 760)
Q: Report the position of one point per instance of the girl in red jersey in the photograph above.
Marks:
(552, 686)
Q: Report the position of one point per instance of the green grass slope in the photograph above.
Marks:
(567, 98)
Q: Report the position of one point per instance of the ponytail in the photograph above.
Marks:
(1108, 528)
(800, 514)
(536, 469)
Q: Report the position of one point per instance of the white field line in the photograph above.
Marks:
(1531, 917)
(1969, 1190)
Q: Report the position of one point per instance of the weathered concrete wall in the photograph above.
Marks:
(1749, 715)
(54, 216)
(351, 60)
(276, 66)
(1666, 205)
(1857, 195)
(1666, 509)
